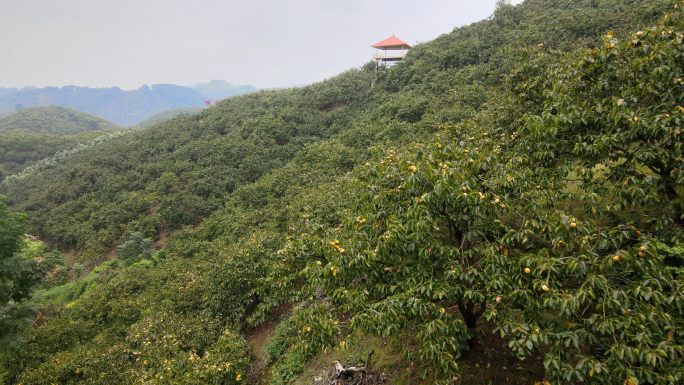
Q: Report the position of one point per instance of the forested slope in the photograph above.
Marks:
(53, 120)
(38, 133)
(166, 115)
(22, 154)
(190, 162)
(478, 188)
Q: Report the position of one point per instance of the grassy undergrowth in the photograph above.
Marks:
(489, 363)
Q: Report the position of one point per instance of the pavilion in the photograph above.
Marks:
(397, 50)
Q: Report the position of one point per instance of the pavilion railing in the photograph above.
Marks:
(393, 55)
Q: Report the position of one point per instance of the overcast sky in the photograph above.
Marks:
(266, 43)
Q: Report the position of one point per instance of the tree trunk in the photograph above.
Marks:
(673, 197)
(471, 313)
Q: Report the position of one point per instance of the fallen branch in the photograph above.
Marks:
(369, 357)
(342, 372)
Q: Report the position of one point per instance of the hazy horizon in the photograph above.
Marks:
(267, 44)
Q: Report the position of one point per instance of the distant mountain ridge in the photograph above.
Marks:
(125, 108)
(4, 91)
(220, 89)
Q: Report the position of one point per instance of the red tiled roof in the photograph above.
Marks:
(391, 43)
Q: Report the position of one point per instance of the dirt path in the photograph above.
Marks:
(258, 337)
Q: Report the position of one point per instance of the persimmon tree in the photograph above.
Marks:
(594, 295)
(426, 248)
(618, 112)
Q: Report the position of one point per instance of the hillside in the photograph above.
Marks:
(166, 115)
(53, 120)
(512, 190)
(22, 153)
(36, 134)
(125, 108)
(191, 161)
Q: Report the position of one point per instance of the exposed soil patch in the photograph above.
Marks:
(331, 106)
(491, 362)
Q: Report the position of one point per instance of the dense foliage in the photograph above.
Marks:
(20, 273)
(506, 184)
(615, 116)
